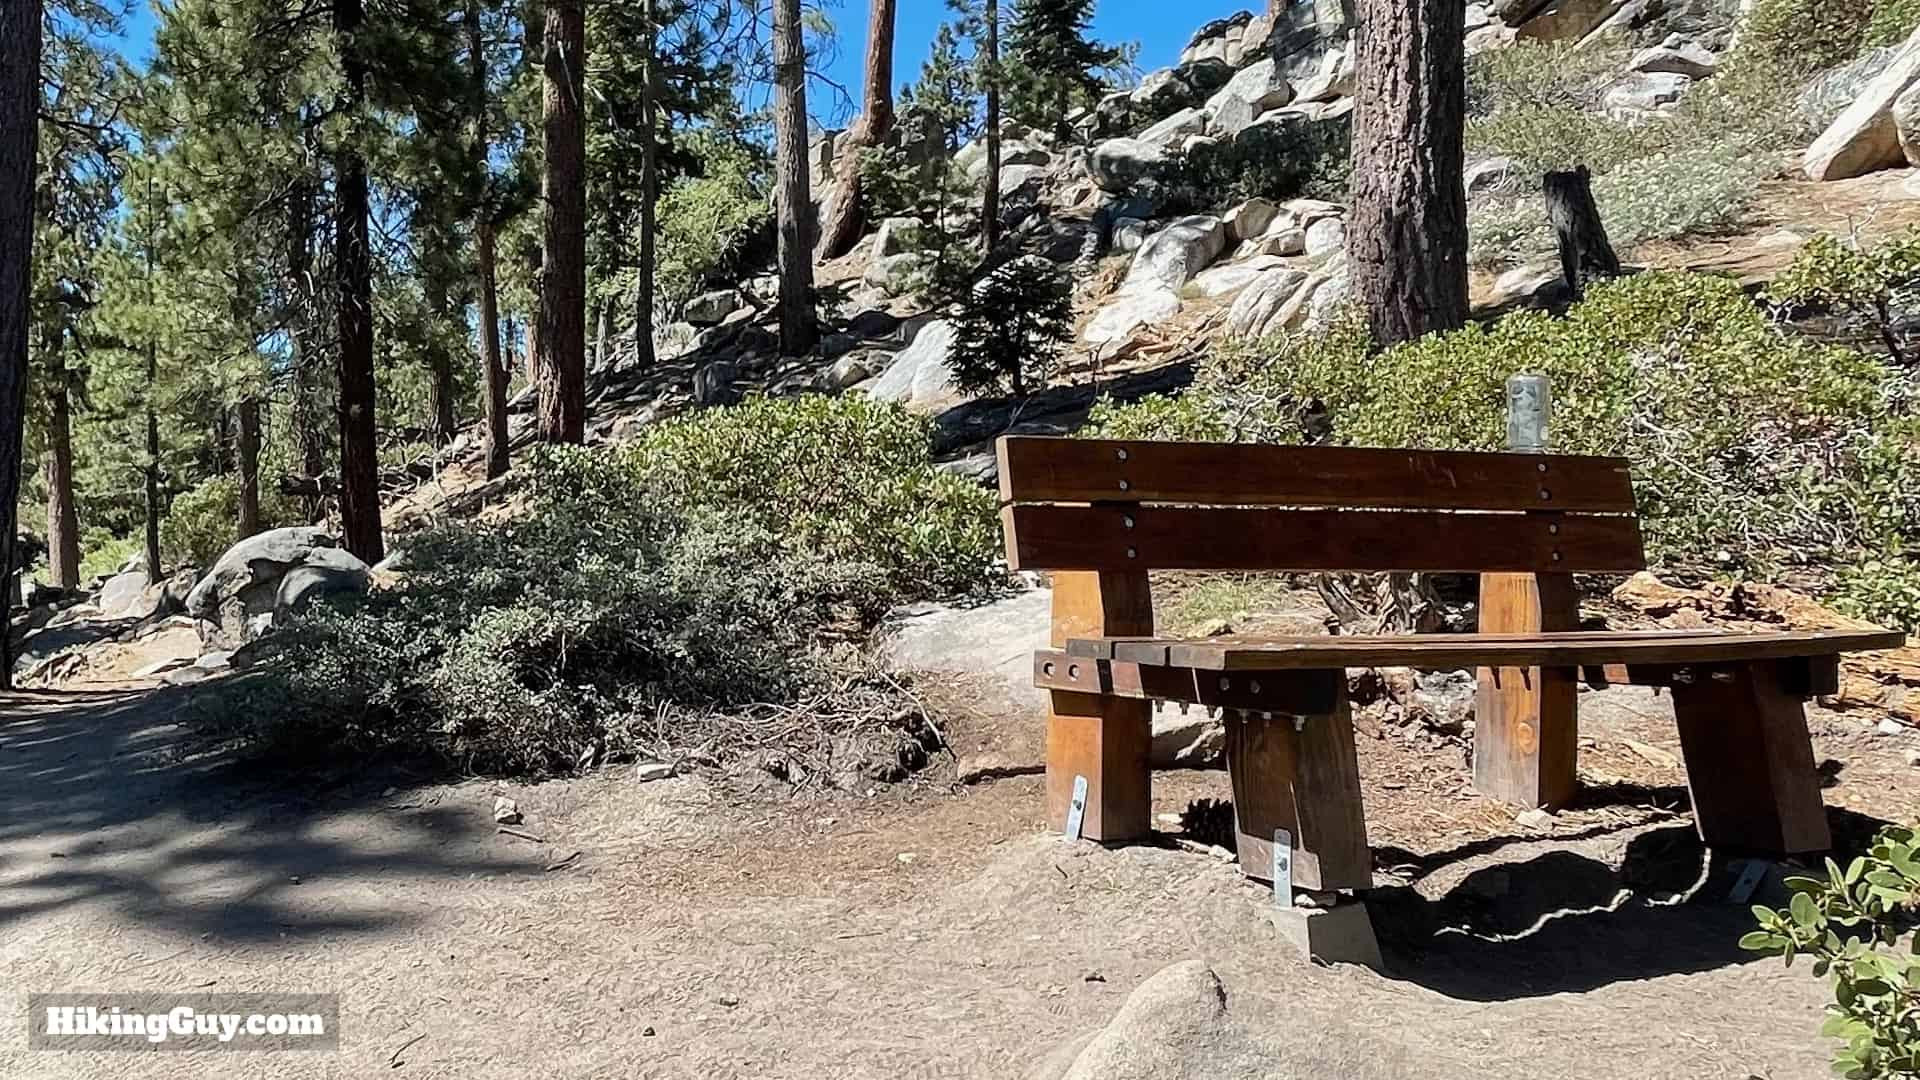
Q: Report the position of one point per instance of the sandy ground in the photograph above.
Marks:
(932, 931)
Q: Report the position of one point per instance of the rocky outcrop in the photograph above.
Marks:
(1567, 20)
(919, 377)
(1176, 254)
(1865, 137)
(237, 600)
(1675, 56)
(1117, 165)
(1249, 93)
(1906, 122)
(1254, 312)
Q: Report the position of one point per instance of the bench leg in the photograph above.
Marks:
(1525, 730)
(1750, 762)
(1306, 781)
(1105, 739)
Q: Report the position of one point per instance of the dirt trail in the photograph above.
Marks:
(931, 933)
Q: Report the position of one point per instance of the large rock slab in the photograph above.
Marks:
(993, 641)
(1906, 122)
(237, 599)
(1864, 137)
(1116, 165)
(1124, 313)
(1255, 311)
(1249, 93)
(1567, 20)
(919, 377)
(1176, 254)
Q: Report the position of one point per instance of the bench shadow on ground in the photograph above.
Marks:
(100, 806)
(1562, 921)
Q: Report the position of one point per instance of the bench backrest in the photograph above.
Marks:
(1095, 504)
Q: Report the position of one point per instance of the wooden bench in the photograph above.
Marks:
(1102, 514)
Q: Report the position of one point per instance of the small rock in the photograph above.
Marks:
(652, 770)
(1536, 819)
(505, 811)
(908, 858)
(1891, 726)
(1093, 976)
(1913, 758)
(728, 1001)
(647, 1033)
(1315, 898)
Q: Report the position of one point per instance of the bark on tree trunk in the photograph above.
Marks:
(494, 367)
(249, 443)
(603, 336)
(847, 213)
(63, 522)
(560, 359)
(990, 198)
(309, 423)
(643, 291)
(1407, 239)
(795, 202)
(19, 148)
(152, 469)
(1586, 255)
(442, 420)
(353, 278)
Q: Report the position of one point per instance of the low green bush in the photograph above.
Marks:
(1750, 448)
(203, 522)
(1302, 158)
(102, 554)
(1868, 283)
(1544, 75)
(1851, 922)
(668, 598)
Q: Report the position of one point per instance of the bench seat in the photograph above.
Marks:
(1581, 649)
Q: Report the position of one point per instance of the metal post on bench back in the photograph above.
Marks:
(1524, 729)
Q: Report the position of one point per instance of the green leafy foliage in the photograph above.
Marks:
(1010, 326)
(1749, 447)
(201, 524)
(1051, 64)
(1893, 21)
(1866, 282)
(1850, 922)
(706, 218)
(1885, 591)
(645, 593)
(1306, 158)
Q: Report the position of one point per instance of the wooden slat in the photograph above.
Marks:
(1305, 780)
(1515, 650)
(1207, 538)
(1228, 474)
(1800, 676)
(1294, 692)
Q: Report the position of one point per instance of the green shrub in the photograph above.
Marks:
(204, 522)
(847, 477)
(1883, 591)
(1749, 447)
(1850, 922)
(705, 219)
(1544, 75)
(102, 554)
(1893, 21)
(666, 598)
(1806, 34)
(1865, 282)
(1303, 158)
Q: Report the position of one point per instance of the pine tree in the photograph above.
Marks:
(847, 209)
(1052, 63)
(560, 362)
(945, 96)
(794, 203)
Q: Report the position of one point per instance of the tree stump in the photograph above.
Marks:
(1585, 253)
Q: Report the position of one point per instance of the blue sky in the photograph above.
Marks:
(1161, 28)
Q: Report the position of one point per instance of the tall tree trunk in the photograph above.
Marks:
(795, 202)
(603, 335)
(1407, 239)
(494, 373)
(152, 469)
(353, 273)
(847, 213)
(560, 359)
(249, 445)
(19, 148)
(643, 290)
(63, 522)
(495, 367)
(309, 418)
(990, 198)
(442, 423)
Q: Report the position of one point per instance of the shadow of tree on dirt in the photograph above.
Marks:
(1566, 922)
(100, 806)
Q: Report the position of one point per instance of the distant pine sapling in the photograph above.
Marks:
(1010, 325)
(1851, 923)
